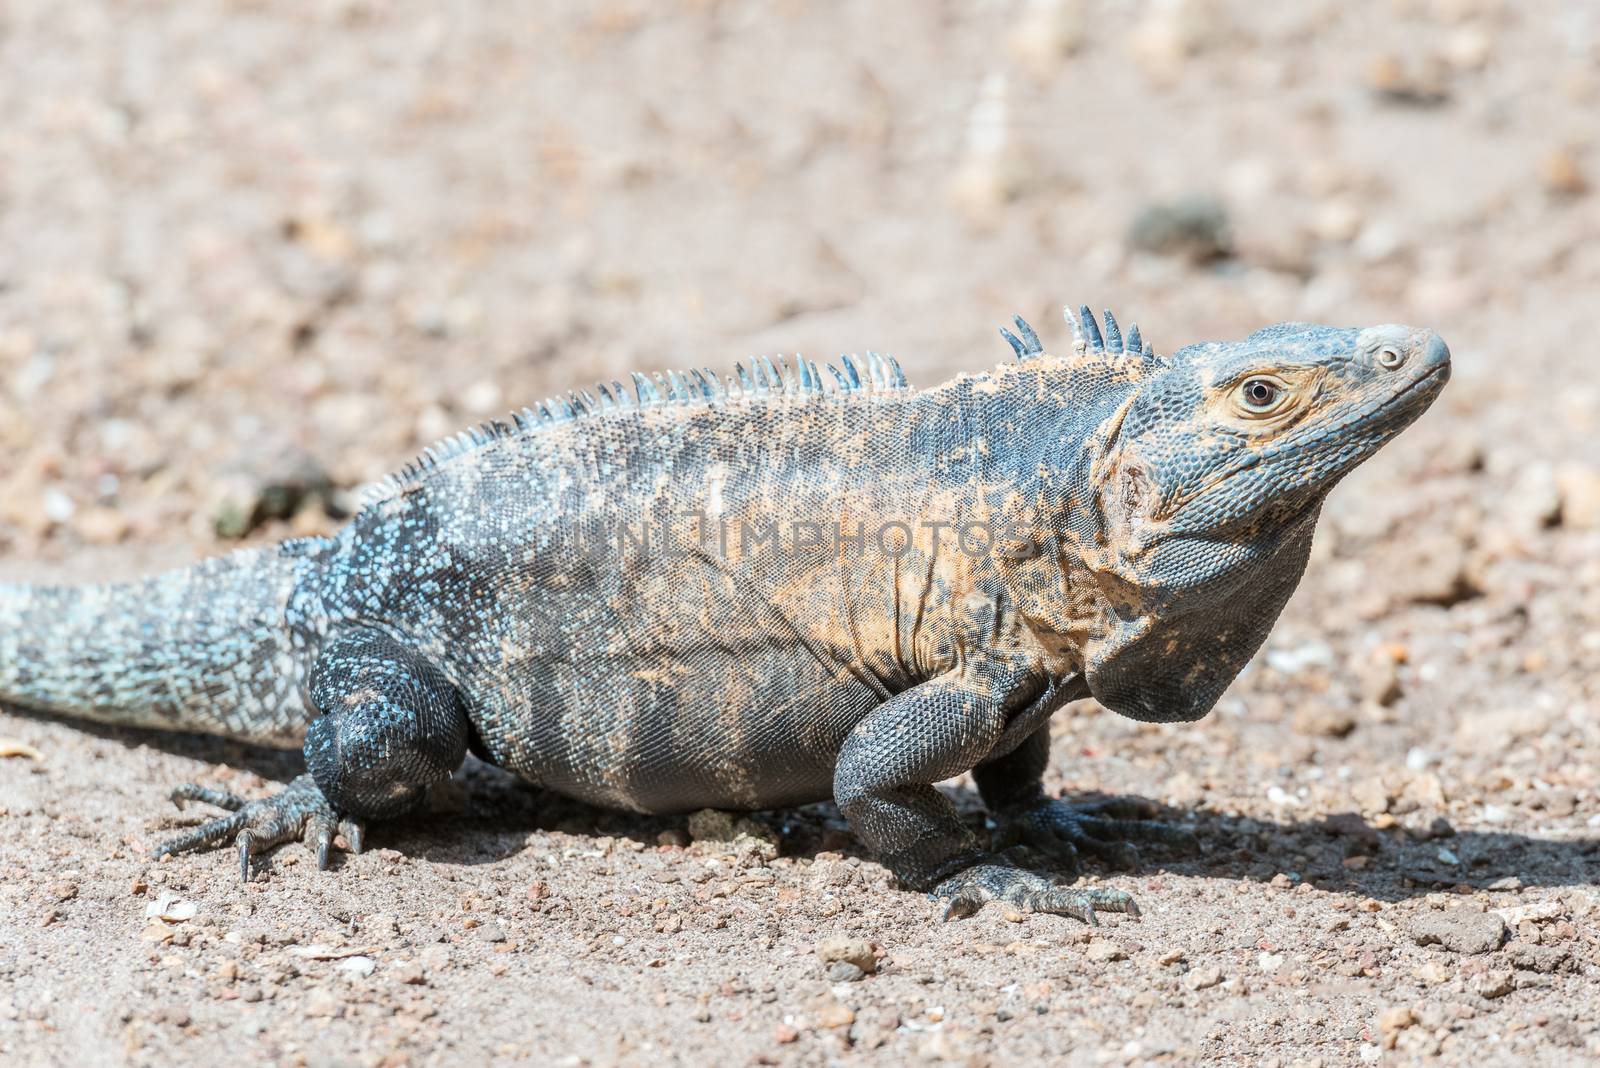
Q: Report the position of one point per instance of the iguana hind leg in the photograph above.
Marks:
(883, 785)
(391, 724)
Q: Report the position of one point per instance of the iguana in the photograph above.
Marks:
(768, 590)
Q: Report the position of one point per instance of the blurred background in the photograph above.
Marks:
(253, 254)
(266, 242)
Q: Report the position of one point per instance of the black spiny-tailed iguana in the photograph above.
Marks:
(767, 591)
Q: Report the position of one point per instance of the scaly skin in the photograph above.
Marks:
(768, 592)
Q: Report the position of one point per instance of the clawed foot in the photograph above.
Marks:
(997, 878)
(1103, 829)
(297, 811)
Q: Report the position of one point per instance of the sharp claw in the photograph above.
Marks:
(960, 908)
(245, 841)
(324, 848)
(354, 835)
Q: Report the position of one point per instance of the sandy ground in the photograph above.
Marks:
(253, 254)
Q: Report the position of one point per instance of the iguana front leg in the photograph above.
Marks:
(1012, 787)
(883, 783)
(391, 724)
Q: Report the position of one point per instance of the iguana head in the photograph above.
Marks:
(1203, 487)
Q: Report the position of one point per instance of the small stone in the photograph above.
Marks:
(1531, 957)
(1579, 489)
(1104, 952)
(1533, 502)
(1379, 679)
(675, 837)
(1393, 82)
(1012, 916)
(1194, 229)
(1461, 930)
(1469, 48)
(1321, 721)
(1350, 825)
(408, 972)
(843, 971)
(1170, 957)
(1533, 912)
(855, 950)
(64, 891)
(275, 487)
(1562, 174)
(832, 1013)
(1203, 978)
(1337, 221)
(489, 932)
(783, 1034)
(1433, 973)
(1432, 570)
(360, 966)
(1371, 795)
(322, 1004)
(1396, 1019)
(1495, 984)
(171, 908)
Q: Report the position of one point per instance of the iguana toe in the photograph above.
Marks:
(997, 879)
(297, 811)
(1101, 829)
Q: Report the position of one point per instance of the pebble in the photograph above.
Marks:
(856, 951)
(407, 971)
(828, 1011)
(843, 971)
(1105, 952)
(1194, 229)
(1495, 984)
(1579, 488)
(1379, 679)
(1461, 930)
(1535, 912)
(1562, 174)
(323, 1004)
(489, 932)
(1396, 1019)
(361, 966)
(1203, 978)
(171, 908)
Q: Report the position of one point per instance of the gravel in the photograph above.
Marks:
(253, 256)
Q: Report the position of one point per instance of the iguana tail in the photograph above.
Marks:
(202, 649)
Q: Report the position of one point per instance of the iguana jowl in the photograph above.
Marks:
(768, 591)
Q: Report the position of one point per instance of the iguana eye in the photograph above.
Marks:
(1259, 394)
(1391, 357)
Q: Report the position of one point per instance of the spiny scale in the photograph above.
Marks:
(699, 386)
(1086, 337)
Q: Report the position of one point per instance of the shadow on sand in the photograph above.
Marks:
(486, 815)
